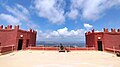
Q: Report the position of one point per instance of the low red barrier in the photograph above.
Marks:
(112, 50)
(57, 48)
(6, 48)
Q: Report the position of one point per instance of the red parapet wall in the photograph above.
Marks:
(43, 48)
(112, 50)
(8, 48)
(56, 48)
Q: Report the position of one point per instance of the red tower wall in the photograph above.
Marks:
(97, 36)
(7, 37)
(90, 40)
(110, 40)
(10, 37)
(29, 38)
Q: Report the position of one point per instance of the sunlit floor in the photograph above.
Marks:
(35, 58)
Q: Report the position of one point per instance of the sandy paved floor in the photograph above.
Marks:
(55, 59)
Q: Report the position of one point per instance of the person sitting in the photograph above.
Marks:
(61, 49)
(118, 54)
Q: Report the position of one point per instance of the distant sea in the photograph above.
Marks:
(68, 44)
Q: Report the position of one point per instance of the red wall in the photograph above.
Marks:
(100, 34)
(109, 39)
(9, 36)
(56, 48)
(90, 40)
(30, 36)
(112, 40)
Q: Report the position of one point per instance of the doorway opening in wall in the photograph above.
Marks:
(100, 46)
(20, 42)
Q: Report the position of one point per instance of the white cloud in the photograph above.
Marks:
(50, 9)
(111, 3)
(54, 10)
(97, 31)
(73, 14)
(10, 19)
(19, 12)
(75, 4)
(62, 34)
(87, 26)
(92, 10)
(23, 9)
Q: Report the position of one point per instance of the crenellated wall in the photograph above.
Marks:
(11, 36)
(109, 39)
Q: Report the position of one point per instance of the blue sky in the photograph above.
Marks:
(61, 20)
